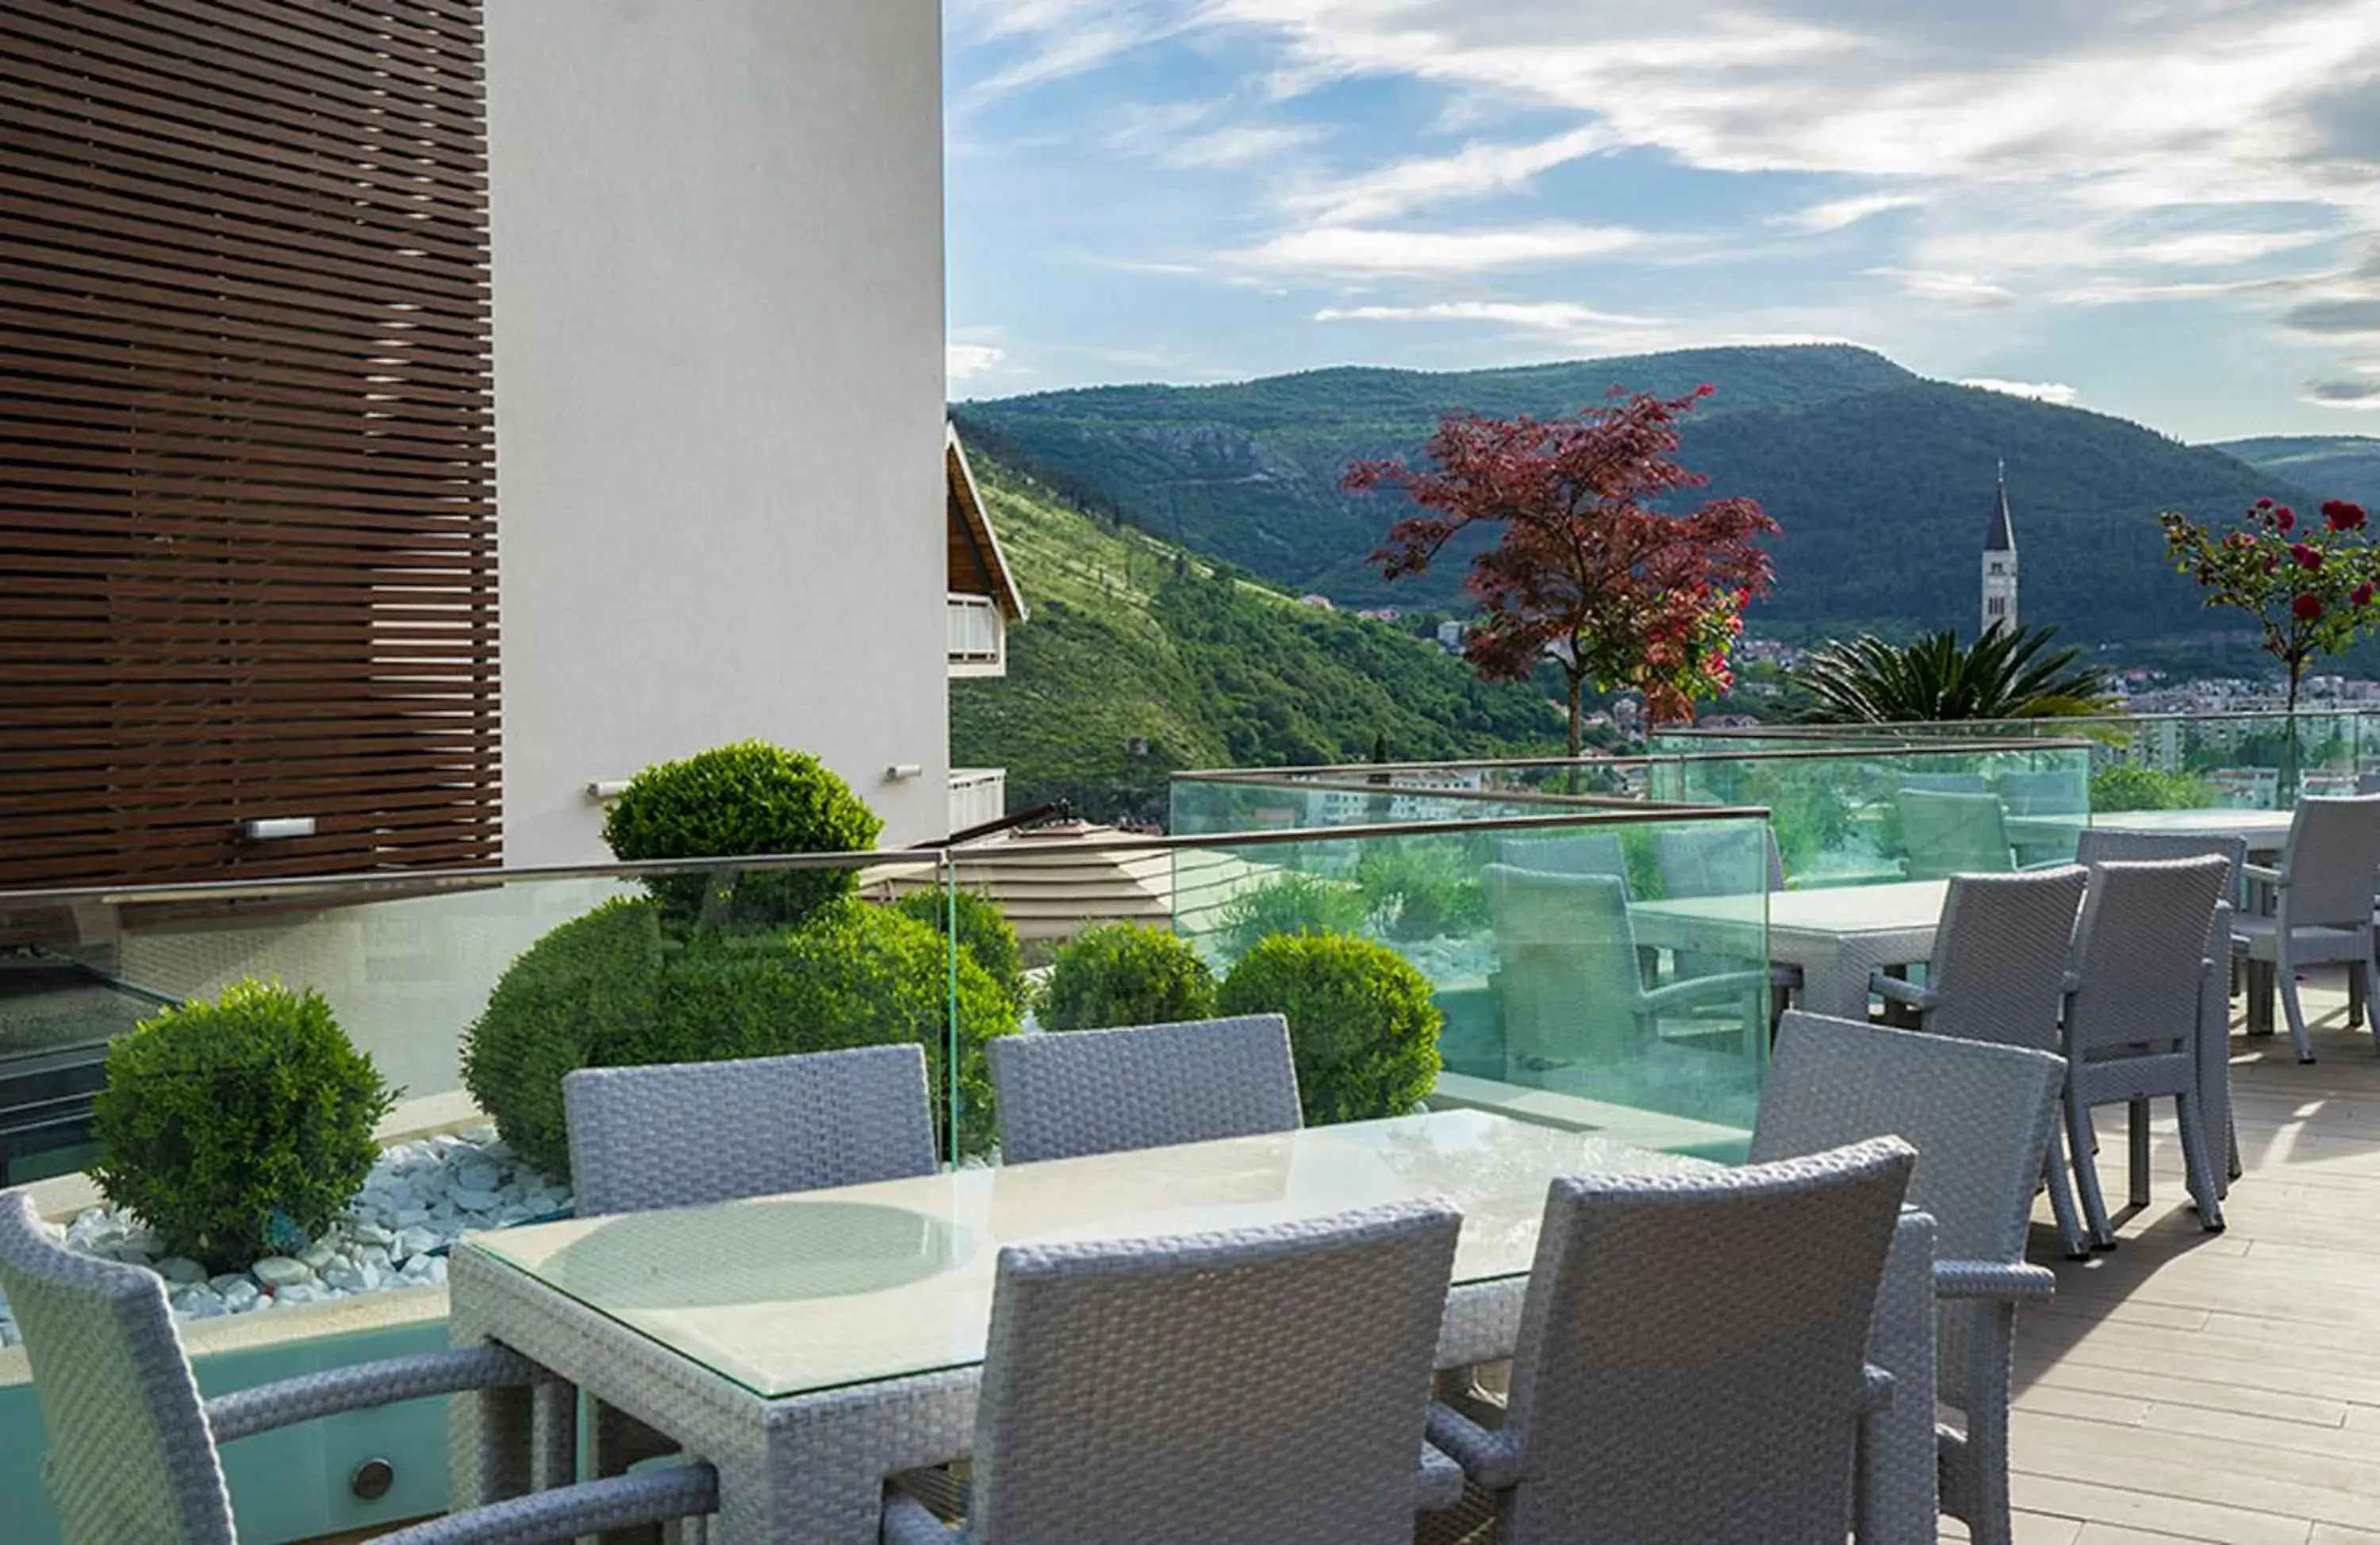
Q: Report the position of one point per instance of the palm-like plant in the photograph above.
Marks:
(2007, 673)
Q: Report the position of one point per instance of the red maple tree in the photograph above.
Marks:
(1586, 572)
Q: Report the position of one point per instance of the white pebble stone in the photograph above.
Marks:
(317, 1255)
(181, 1271)
(239, 1296)
(280, 1271)
(199, 1303)
(416, 1242)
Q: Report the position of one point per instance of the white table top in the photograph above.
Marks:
(1838, 910)
(795, 1294)
(2263, 829)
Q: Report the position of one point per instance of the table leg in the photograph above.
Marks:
(2261, 986)
(492, 1451)
(1899, 1487)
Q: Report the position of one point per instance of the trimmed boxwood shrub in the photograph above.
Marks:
(853, 975)
(984, 933)
(746, 798)
(1121, 973)
(582, 996)
(231, 1127)
(1362, 1024)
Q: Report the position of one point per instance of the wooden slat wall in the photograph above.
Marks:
(246, 459)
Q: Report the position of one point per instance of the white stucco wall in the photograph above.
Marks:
(718, 290)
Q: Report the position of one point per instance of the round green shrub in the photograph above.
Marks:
(1362, 1024)
(582, 996)
(228, 1126)
(1294, 903)
(746, 798)
(1125, 974)
(853, 975)
(984, 933)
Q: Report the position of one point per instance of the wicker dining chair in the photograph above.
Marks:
(133, 1446)
(679, 1134)
(1691, 1361)
(1578, 853)
(2100, 845)
(1264, 1383)
(1945, 833)
(2135, 1012)
(1069, 1092)
(1982, 1118)
(1998, 975)
(2322, 907)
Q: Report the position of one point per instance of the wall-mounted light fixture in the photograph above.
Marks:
(900, 772)
(277, 828)
(607, 788)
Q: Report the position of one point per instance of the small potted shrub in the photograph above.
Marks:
(984, 933)
(1124, 974)
(232, 1127)
(746, 798)
(1362, 1024)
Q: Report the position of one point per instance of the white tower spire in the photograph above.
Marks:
(2000, 562)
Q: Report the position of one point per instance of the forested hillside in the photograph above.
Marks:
(1882, 479)
(2336, 467)
(1140, 660)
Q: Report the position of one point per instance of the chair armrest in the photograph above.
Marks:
(1492, 1460)
(2045, 864)
(286, 1402)
(2009, 1280)
(1439, 1486)
(2259, 873)
(564, 1514)
(1876, 1389)
(908, 1521)
(1895, 989)
(1726, 984)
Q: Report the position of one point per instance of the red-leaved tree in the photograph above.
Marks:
(1586, 572)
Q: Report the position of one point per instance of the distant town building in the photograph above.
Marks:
(1379, 613)
(1999, 562)
(1316, 598)
(1450, 636)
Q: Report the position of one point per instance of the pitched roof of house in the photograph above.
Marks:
(977, 567)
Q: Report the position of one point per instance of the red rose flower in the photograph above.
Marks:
(2342, 515)
(2304, 557)
(2362, 596)
(2283, 517)
(2264, 504)
(2307, 608)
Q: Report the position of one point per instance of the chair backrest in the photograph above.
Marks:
(2330, 861)
(1259, 1383)
(1692, 1349)
(130, 1458)
(1566, 958)
(2139, 952)
(2055, 791)
(1074, 1092)
(679, 1134)
(1979, 1115)
(1719, 860)
(2100, 845)
(1584, 852)
(1942, 783)
(2000, 956)
(1946, 834)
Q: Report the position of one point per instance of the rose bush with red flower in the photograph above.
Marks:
(2311, 591)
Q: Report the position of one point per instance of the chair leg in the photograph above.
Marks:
(2259, 998)
(2366, 974)
(2190, 1112)
(2061, 1203)
(2080, 1144)
(2286, 974)
(2136, 1129)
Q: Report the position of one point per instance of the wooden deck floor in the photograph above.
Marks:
(2221, 1387)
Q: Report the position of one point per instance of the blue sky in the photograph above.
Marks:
(2168, 210)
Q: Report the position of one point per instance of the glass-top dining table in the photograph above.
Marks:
(809, 1345)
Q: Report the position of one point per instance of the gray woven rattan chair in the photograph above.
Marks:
(1568, 975)
(2100, 845)
(683, 1133)
(1074, 1092)
(2053, 792)
(1942, 783)
(1712, 860)
(1692, 1363)
(2143, 986)
(132, 1446)
(2323, 895)
(1982, 1118)
(1945, 833)
(1264, 1383)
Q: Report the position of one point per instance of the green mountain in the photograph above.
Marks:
(1881, 479)
(2336, 467)
(1140, 659)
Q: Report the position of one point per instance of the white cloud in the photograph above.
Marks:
(2221, 249)
(1556, 315)
(1238, 145)
(960, 361)
(1958, 289)
(2042, 391)
(1836, 213)
(1361, 249)
(1476, 171)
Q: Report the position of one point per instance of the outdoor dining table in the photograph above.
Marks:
(809, 1345)
(2264, 831)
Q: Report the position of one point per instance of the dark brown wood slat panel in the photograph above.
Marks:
(247, 529)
